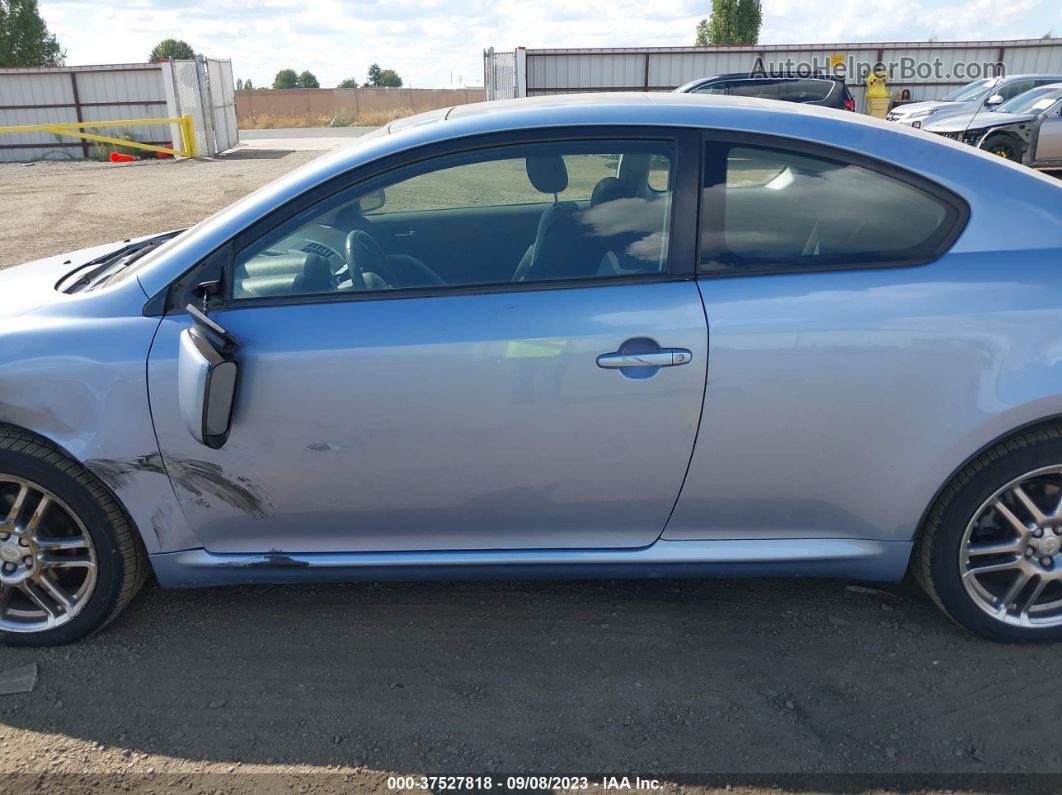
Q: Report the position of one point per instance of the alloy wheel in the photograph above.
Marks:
(47, 558)
(1010, 557)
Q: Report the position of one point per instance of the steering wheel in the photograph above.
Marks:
(363, 255)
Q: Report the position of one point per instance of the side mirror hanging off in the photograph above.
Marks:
(207, 379)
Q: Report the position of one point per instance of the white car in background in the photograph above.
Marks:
(1027, 129)
(986, 94)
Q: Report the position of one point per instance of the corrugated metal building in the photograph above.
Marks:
(49, 95)
(928, 69)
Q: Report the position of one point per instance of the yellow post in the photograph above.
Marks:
(187, 135)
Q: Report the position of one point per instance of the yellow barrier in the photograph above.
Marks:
(74, 129)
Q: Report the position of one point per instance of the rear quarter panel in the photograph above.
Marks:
(838, 404)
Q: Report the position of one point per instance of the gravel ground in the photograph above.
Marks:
(51, 207)
(332, 688)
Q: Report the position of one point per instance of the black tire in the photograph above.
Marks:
(1003, 146)
(937, 551)
(121, 561)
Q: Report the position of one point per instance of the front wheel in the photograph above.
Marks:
(1003, 146)
(69, 559)
(991, 552)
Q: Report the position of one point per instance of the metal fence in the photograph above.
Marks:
(221, 93)
(562, 71)
(499, 75)
(77, 94)
(318, 105)
(55, 95)
(186, 82)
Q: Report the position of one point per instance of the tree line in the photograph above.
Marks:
(26, 41)
(289, 78)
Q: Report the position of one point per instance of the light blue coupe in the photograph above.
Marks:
(600, 335)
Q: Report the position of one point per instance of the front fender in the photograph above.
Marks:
(80, 381)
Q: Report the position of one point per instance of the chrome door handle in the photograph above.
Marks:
(665, 357)
(410, 233)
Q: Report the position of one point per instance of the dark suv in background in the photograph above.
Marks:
(817, 89)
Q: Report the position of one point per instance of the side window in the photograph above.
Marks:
(776, 210)
(762, 88)
(714, 88)
(517, 213)
(805, 90)
(1013, 89)
(465, 186)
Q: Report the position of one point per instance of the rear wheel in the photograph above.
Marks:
(69, 559)
(991, 553)
(1003, 146)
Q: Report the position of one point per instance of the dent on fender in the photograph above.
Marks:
(199, 478)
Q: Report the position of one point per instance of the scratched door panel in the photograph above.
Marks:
(457, 422)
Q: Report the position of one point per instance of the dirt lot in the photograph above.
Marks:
(332, 688)
(51, 207)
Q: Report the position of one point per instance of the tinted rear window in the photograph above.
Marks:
(785, 211)
(764, 89)
(806, 90)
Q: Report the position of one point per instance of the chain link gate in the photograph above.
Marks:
(222, 98)
(499, 74)
(203, 89)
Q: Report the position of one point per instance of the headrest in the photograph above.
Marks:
(607, 190)
(547, 173)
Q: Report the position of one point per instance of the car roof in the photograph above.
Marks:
(636, 107)
(769, 76)
(700, 81)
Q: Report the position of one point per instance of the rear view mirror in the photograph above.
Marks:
(995, 99)
(372, 201)
(206, 384)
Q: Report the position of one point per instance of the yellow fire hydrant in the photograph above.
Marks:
(878, 97)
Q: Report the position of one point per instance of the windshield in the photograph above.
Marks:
(975, 90)
(1034, 101)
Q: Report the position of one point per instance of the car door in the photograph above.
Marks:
(831, 356)
(555, 411)
(1048, 146)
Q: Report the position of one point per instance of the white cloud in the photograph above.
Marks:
(435, 43)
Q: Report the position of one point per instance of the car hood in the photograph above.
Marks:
(918, 107)
(31, 285)
(977, 121)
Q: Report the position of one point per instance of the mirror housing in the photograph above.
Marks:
(373, 200)
(206, 386)
(995, 99)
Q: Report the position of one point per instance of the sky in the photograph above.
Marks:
(437, 44)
